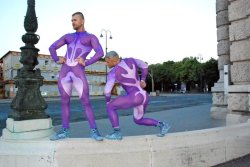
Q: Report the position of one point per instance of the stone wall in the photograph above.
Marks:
(200, 148)
(239, 33)
(219, 108)
(233, 27)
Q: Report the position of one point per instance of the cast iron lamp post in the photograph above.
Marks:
(28, 102)
(107, 33)
(200, 57)
(152, 79)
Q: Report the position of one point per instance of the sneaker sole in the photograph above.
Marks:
(113, 138)
(162, 135)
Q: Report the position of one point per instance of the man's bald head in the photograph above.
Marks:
(78, 13)
(112, 59)
(112, 54)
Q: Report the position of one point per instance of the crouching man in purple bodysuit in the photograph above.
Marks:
(79, 45)
(125, 72)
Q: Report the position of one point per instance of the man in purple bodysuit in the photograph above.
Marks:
(125, 72)
(79, 45)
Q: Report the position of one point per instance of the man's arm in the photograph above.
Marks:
(98, 51)
(144, 71)
(109, 85)
(144, 68)
(59, 43)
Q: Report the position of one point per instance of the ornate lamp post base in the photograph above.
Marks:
(27, 129)
(28, 103)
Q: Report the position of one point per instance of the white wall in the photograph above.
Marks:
(200, 148)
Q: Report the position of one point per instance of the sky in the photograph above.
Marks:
(153, 31)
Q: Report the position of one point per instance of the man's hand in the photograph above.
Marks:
(143, 84)
(108, 102)
(80, 60)
(108, 99)
(114, 91)
(61, 60)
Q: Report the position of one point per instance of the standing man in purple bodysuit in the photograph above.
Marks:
(125, 72)
(79, 45)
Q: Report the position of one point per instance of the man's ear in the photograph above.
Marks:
(117, 60)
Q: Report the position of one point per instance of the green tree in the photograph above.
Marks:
(188, 71)
(163, 75)
(210, 73)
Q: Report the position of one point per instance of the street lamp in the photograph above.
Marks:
(152, 79)
(200, 58)
(107, 33)
(28, 103)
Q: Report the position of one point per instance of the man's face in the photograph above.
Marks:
(77, 22)
(111, 62)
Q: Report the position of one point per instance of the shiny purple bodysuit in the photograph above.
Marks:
(73, 74)
(126, 73)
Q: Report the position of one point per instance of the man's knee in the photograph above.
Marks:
(65, 98)
(110, 105)
(138, 99)
(138, 121)
(85, 100)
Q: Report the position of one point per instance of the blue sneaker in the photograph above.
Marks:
(61, 134)
(116, 135)
(94, 134)
(164, 127)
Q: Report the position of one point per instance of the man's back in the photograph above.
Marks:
(127, 75)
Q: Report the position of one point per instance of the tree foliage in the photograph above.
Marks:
(189, 71)
(210, 72)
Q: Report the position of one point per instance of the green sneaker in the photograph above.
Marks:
(116, 135)
(164, 128)
(61, 134)
(94, 134)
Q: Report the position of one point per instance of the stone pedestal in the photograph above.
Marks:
(219, 108)
(236, 118)
(238, 104)
(27, 129)
(218, 112)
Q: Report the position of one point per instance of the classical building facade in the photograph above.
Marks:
(9, 64)
(231, 94)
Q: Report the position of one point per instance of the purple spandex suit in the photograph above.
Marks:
(79, 44)
(126, 73)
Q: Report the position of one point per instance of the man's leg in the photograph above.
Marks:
(139, 113)
(121, 102)
(65, 104)
(81, 85)
(140, 120)
(65, 89)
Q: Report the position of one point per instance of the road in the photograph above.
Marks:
(157, 104)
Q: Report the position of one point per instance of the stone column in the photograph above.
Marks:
(239, 91)
(219, 107)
